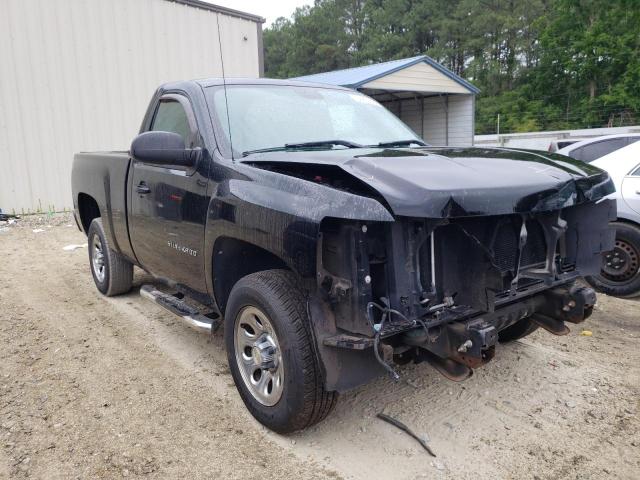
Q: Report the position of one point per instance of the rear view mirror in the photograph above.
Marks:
(163, 148)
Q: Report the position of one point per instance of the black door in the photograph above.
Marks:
(169, 203)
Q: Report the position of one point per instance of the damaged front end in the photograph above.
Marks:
(476, 241)
(440, 290)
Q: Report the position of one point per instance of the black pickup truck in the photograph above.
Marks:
(332, 243)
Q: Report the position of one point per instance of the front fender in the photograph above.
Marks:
(305, 199)
(281, 215)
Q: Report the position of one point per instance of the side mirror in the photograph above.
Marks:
(163, 148)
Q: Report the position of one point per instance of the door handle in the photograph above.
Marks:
(143, 188)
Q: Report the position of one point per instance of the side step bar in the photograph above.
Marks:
(191, 316)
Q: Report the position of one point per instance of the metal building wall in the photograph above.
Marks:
(77, 75)
(439, 120)
(461, 121)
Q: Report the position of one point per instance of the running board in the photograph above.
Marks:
(191, 316)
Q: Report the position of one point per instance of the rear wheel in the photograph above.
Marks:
(112, 273)
(620, 273)
(271, 354)
(518, 330)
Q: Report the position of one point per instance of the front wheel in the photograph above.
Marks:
(620, 273)
(271, 355)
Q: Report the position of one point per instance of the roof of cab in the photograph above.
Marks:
(211, 82)
(215, 82)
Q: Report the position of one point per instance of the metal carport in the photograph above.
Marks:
(435, 102)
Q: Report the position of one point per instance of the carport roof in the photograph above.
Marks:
(360, 76)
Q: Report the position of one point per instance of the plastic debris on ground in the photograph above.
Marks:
(7, 217)
(72, 247)
(6, 221)
(586, 333)
(38, 230)
(422, 440)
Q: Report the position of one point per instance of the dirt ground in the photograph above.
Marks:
(95, 387)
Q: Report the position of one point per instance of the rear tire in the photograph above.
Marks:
(518, 330)
(112, 273)
(620, 274)
(266, 317)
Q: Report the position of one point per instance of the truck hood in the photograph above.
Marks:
(445, 182)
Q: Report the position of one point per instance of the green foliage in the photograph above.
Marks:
(540, 64)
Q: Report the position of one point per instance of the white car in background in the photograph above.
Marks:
(620, 274)
(594, 148)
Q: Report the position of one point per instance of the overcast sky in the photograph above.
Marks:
(269, 9)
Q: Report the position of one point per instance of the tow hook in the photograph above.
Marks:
(465, 346)
(479, 346)
(457, 349)
(571, 304)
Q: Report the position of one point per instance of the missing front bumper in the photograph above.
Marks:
(471, 343)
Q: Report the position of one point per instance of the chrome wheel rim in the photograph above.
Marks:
(97, 258)
(258, 356)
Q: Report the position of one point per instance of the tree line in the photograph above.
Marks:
(540, 64)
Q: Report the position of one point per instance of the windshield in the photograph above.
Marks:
(272, 116)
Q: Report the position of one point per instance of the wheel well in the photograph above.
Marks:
(627, 221)
(88, 208)
(234, 259)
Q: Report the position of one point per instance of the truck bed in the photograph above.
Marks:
(103, 176)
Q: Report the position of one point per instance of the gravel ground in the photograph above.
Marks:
(92, 387)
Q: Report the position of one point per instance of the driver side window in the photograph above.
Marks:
(170, 116)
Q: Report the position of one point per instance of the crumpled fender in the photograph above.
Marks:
(305, 199)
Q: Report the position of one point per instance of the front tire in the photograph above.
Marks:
(271, 353)
(112, 273)
(620, 274)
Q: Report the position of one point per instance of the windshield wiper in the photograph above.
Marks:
(264, 150)
(316, 144)
(324, 143)
(402, 143)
